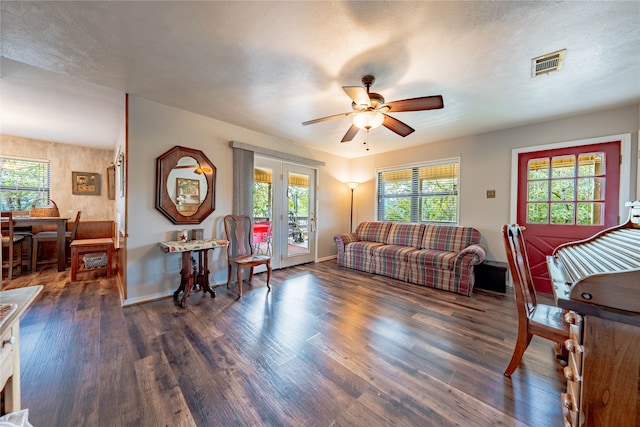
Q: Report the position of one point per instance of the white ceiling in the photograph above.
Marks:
(268, 66)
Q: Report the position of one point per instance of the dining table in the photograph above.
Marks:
(61, 228)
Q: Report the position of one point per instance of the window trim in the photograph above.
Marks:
(415, 209)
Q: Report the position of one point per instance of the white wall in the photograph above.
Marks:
(485, 164)
(154, 129)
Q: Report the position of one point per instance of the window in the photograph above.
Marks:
(566, 189)
(22, 182)
(424, 193)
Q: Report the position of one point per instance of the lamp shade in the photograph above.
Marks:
(368, 119)
(352, 185)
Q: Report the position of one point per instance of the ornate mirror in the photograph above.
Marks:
(185, 185)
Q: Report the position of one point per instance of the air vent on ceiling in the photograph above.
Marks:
(547, 63)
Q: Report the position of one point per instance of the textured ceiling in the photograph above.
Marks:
(268, 66)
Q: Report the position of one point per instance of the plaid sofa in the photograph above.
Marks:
(437, 256)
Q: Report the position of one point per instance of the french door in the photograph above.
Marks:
(284, 212)
(564, 195)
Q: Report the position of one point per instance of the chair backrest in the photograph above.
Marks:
(239, 231)
(525, 292)
(7, 226)
(74, 228)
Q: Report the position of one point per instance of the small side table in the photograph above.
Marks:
(187, 278)
(88, 246)
(492, 276)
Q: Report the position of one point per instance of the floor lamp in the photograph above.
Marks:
(352, 186)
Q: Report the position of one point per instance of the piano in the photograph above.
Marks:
(597, 280)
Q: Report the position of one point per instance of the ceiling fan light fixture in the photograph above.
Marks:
(368, 119)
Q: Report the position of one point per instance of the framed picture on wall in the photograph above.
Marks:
(85, 183)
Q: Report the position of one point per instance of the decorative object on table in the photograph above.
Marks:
(111, 181)
(197, 234)
(182, 235)
(39, 210)
(85, 183)
(185, 185)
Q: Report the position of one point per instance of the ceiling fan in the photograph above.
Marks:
(370, 110)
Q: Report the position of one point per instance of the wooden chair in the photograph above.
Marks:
(25, 232)
(11, 241)
(542, 320)
(239, 231)
(52, 236)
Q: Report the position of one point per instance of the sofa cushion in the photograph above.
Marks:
(373, 231)
(441, 260)
(391, 260)
(449, 238)
(405, 234)
(358, 255)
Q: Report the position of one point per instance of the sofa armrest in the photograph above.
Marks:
(472, 255)
(343, 240)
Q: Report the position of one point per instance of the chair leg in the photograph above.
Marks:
(268, 275)
(521, 345)
(239, 281)
(229, 268)
(11, 251)
(34, 254)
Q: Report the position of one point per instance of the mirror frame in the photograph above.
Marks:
(164, 165)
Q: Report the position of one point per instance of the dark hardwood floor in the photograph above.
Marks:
(326, 347)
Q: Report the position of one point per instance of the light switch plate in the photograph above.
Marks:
(491, 194)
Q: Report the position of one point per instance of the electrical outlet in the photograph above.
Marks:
(491, 194)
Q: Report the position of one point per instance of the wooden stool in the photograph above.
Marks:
(89, 246)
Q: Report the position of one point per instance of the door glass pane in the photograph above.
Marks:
(563, 167)
(591, 164)
(538, 168)
(590, 214)
(563, 189)
(562, 213)
(298, 215)
(262, 210)
(537, 213)
(538, 191)
(590, 188)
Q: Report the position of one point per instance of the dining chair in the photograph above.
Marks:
(11, 241)
(239, 231)
(543, 320)
(27, 233)
(52, 236)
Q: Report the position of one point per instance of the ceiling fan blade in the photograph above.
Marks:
(416, 104)
(358, 94)
(397, 126)
(353, 130)
(324, 119)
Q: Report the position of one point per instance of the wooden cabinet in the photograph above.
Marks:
(603, 372)
(20, 299)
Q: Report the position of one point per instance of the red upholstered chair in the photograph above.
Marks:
(545, 321)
